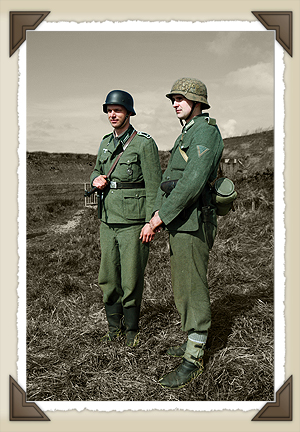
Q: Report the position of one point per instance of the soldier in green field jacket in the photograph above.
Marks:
(183, 205)
(127, 200)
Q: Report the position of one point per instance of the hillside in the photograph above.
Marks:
(57, 176)
(255, 153)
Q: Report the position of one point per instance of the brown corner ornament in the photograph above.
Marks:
(19, 409)
(282, 408)
(282, 23)
(19, 22)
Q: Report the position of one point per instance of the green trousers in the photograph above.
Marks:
(189, 255)
(123, 261)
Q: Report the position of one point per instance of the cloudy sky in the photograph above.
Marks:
(69, 74)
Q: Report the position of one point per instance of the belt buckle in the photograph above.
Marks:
(113, 185)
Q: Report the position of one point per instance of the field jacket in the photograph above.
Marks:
(202, 142)
(139, 163)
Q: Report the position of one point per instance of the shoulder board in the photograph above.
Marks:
(211, 121)
(144, 134)
(107, 135)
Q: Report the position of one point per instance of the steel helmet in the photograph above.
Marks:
(119, 97)
(192, 89)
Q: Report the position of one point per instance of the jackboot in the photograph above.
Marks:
(131, 318)
(190, 367)
(114, 315)
(177, 351)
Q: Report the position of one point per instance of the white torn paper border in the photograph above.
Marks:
(279, 214)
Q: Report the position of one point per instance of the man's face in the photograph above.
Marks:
(182, 106)
(116, 115)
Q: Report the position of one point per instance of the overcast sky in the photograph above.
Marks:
(69, 74)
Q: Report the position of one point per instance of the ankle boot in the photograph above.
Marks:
(177, 351)
(131, 318)
(190, 367)
(114, 314)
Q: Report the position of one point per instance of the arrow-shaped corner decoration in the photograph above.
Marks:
(282, 408)
(19, 22)
(282, 23)
(19, 409)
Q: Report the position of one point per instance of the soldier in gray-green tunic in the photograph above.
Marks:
(127, 200)
(184, 207)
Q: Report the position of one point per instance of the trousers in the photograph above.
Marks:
(123, 261)
(189, 254)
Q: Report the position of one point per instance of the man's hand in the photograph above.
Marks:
(147, 234)
(100, 182)
(155, 222)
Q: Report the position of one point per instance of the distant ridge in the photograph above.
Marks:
(254, 151)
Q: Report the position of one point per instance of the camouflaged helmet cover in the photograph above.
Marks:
(192, 89)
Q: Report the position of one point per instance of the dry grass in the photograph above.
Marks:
(65, 313)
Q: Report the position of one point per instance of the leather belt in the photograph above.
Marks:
(126, 185)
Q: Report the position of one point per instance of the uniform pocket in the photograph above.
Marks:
(134, 202)
(130, 169)
(104, 157)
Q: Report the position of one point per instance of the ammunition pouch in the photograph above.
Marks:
(168, 186)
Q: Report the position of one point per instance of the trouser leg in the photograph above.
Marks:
(133, 256)
(189, 261)
(110, 266)
(133, 259)
(121, 276)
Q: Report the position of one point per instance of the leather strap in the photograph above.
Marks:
(120, 154)
(127, 185)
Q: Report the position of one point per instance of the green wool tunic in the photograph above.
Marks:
(140, 162)
(181, 213)
(124, 213)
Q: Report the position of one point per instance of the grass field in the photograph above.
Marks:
(66, 318)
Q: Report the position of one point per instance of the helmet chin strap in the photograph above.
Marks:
(190, 114)
(124, 121)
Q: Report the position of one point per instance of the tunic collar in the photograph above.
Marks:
(192, 122)
(124, 137)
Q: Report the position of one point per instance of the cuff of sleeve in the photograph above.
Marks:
(165, 217)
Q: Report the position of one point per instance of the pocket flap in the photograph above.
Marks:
(134, 193)
(129, 159)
